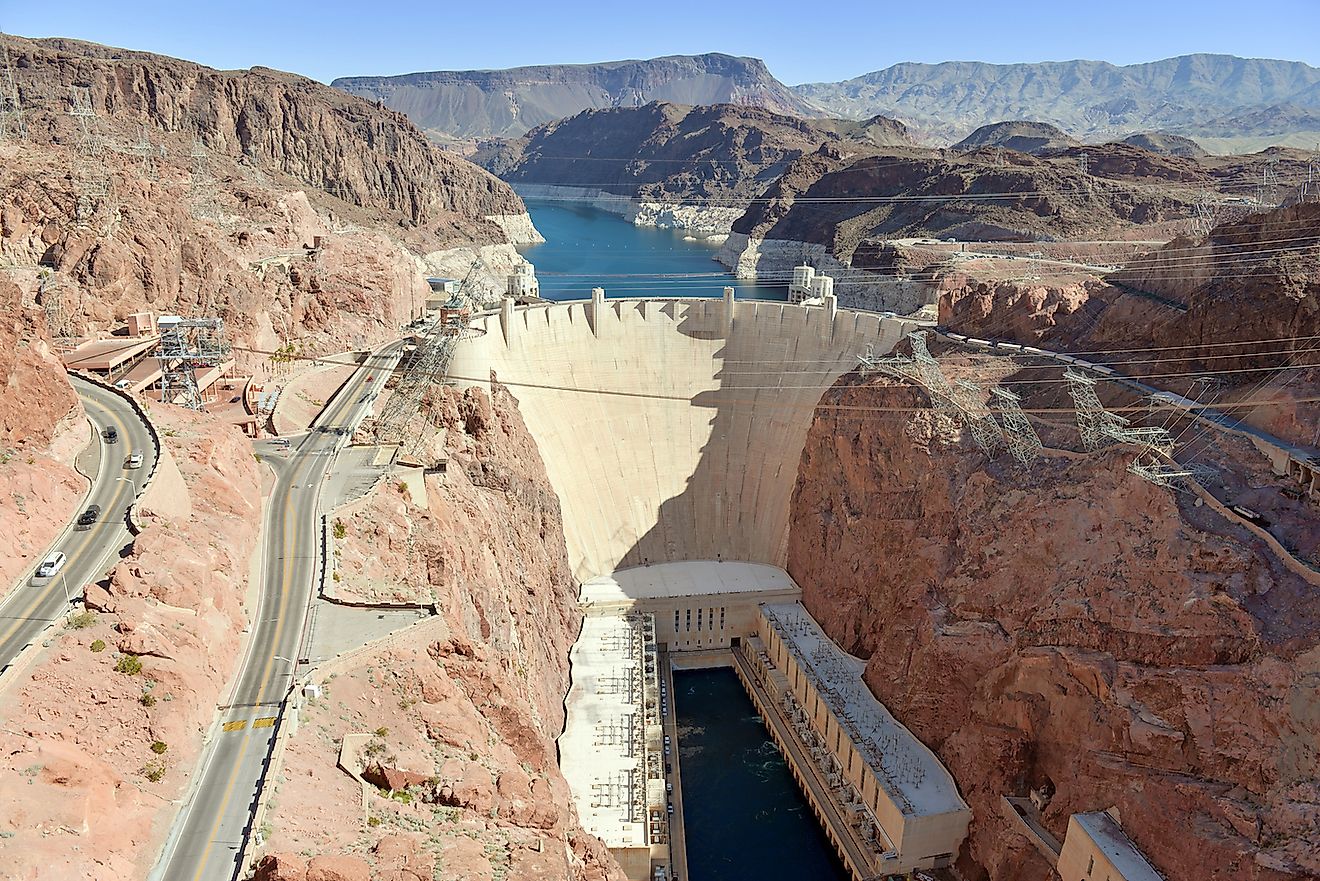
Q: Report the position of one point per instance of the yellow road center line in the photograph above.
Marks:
(279, 631)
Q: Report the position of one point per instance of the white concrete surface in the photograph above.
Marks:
(685, 579)
(665, 436)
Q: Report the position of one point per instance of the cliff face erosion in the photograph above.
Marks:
(465, 707)
(195, 190)
(1073, 628)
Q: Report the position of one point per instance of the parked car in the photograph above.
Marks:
(110, 435)
(88, 517)
(123, 384)
(51, 565)
(134, 460)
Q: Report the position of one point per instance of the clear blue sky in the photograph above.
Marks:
(801, 41)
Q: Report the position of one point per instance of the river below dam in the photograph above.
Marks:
(744, 816)
(586, 248)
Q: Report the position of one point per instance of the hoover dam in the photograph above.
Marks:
(671, 429)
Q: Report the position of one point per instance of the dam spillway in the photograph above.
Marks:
(670, 429)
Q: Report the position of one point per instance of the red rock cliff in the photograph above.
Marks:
(1074, 627)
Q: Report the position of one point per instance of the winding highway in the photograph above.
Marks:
(90, 550)
(207, 837)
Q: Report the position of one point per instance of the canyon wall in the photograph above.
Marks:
(1073, 629)
(466, 707)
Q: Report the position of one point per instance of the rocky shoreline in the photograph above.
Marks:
(711, 223)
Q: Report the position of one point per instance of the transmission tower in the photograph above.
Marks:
(1166, 473)
(1086, 164)
(977, 416)
(187, 344)
(146, 153)
(12, 123)
(932, 377)
(1020, 437)
(1095, 424)
(91, 182)
(202, 203)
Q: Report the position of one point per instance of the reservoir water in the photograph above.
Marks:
(586, 247)
(744, 816)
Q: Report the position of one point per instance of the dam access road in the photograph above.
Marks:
(90, 550)
(208, 836)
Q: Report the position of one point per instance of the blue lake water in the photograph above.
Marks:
(586, 247)
(744, 816)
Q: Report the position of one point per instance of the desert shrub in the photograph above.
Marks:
(373, 821)
(154, 771)
(82, 620)
(98, 645)
(382, 731)
(158, 747)
(147, 700)
(130, 664)
(339, 529)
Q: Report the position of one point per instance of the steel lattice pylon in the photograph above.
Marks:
(89, 174)
(185, 345)
(931, 376)
(12, 123)
(1019, 436)
(977, 417)
(1095, 424)
(429, 364)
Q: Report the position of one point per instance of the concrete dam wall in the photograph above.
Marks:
(671, 429)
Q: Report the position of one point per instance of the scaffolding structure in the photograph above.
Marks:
(187, 344)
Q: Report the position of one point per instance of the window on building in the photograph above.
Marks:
(676, 620)
(699, 611)
(721, 617)
(687, 620)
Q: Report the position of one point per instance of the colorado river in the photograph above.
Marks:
(744, 816)
(586, 247)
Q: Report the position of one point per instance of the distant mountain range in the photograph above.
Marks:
(509, 103)
(1093, 100)
(1221, 97)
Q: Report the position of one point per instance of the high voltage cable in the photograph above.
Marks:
(1118, 378)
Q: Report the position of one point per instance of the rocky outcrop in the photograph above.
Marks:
(465, 707)
(309, 224)
(1166, 144)
(507, 103)
(1024, 136)
(675, 166)
(1073, 629)
(100, 735)
(363, 154)
(42, 427)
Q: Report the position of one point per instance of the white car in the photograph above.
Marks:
(134, 460)
(51, 565)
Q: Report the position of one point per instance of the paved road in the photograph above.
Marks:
(208, 835)
(91, 551)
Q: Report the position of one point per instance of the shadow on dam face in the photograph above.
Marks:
(669, 431)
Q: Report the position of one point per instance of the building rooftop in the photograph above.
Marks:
(904, 766)
(1113, 842)
(109, 353)
(603, 749)
(687, 578)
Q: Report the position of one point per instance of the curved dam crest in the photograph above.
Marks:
(671, 429)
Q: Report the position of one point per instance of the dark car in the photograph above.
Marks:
(88, 517)
(110, 434)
